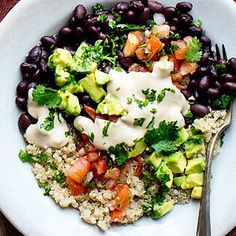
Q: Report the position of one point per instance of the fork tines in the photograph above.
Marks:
(218, 54)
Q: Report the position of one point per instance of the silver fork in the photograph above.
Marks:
(204, 223)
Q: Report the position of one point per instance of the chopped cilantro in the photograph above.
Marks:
(52, 166)
(119, 152)
(124, 27)
(220, 68)
(46, 187)
(141, 103)
(162, 94)
(46, 96)
(92, 184)
(172, 47)
(98, 7)
(91, 137)
(67, 133)
(138, 121)
(48, 123)
(193, 52)
(148, 63)
(189, 114)
(102, 18)
(129, 101)
(150, 95)
(197, 22)
(174, 35)
(153, 111)
(151, 123)
(59, 177)
(105, 129)
(223, 102)
(112, 24)
(150, 23)
(28, 158)
(162, 138)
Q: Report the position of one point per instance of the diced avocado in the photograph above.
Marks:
(161, 210)
(70, 103)
(194, 145)
(176, 162)
(62, 77)
(154, 160)
(196, 165)
(179, 180)
(110, 106)
(182, 137)
(101, 77)
(164, 174)
(193, 180)
(92, 88)
(60, 57)
(196, 193)
(138, 148)
(73, 87)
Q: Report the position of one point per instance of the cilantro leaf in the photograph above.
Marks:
(174, 35)
(124, 27)
(164, 147)
(197, 22)
(223, 102)
(46, 96)
(119, 152)
(29, 158)
(91, 137)
(48, 123)
(150, 23)
(102, 18)
(59, 177)
(98, 7)
(138, 121)
(162, 94)
(105, 129)
(193, 52)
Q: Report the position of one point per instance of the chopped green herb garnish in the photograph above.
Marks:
(129, 101)
(45, 186)
(124, 27)
(223, 102)
(153, 111)
(150, 95)
(220, 68)
(193, 52)
(197, 22)
(174, 35)
(172, 48)
(138, 121)
(140, 103)
(150, 23)
(59, 177)
(117, 89)
(189, 114)
(91, 137)
(102, 18)
(105, 129)
(162, 94)
(28, 158)
(119, 153)
(151, 123)
(92, 184)
(48, 123)
(67, 133)
(52, 166)
(98, 7)
(46, 96)
(148, 64)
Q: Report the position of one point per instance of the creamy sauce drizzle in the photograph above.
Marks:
(36, 134)
(128, 85)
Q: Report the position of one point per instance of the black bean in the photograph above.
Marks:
(131, 16)
(85, 99)
(28, 67)
(184, 6)
(102, 36)
(221, 62)
(70, 49)
(21, 89)
(48, 41)
(32, 85)
(45, 54)
(144, 16)
(34, 55)
(174, 22)
(187, 94)
(122, 6)
(193, 84)
(199, 110)
(21, 102)
(125, 61)
(212, 72)
(174, 29)
(44, 66)
(155, 7)
(205, 40)
(93, 32)
(213, 92)
(202, 70)
(227, 78)
(136, 5)
(169, 12)
(91, 22)
(72, 22)
(232, 64)
(24, 122)
(35, 76)
(210, 60)
(217, 84)
(194, 31)
(204, 83)
(229, 87)
(78, 33)
(204, 58)
(80, 13)
(65, 32)
(185, 19)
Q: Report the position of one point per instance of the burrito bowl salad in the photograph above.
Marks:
(119, 107)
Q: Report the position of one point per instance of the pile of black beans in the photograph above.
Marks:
(207, 84)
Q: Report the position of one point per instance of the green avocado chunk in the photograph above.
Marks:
(137, 149)
(176, 162)
(194, 145)
(101, 77)
(161, 210)
(164, 174)
(89, 85)
(196, 193)
(179, 180)
(62, 77)
(154, 160)
(110, 106)
(193, 180)
(196, 165)
(182, 137)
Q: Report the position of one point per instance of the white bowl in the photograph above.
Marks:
(20, 198)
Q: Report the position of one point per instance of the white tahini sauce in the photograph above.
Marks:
(36, 134)
(126, 85)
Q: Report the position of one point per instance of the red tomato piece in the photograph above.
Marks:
(75, 188)
(99, 167)
(122, 197)
(117, 216)
(113, 174)
(111, 184)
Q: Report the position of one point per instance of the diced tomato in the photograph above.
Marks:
(122, 197)
(188, 68)
(90, 111)
(140, 53)
(177, 63)
(113, 174)
(117, 216)
(177, 85)
(176, 77)
(180, 53)
(92, 156)
(79, 170)
(154, 44)
(161, 31)
(111, 184)
(99, 167)
(75, 188)
(138, 171)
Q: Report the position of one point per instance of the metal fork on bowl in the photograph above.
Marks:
(204, 224)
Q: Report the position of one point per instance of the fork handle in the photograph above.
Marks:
(204, 223)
